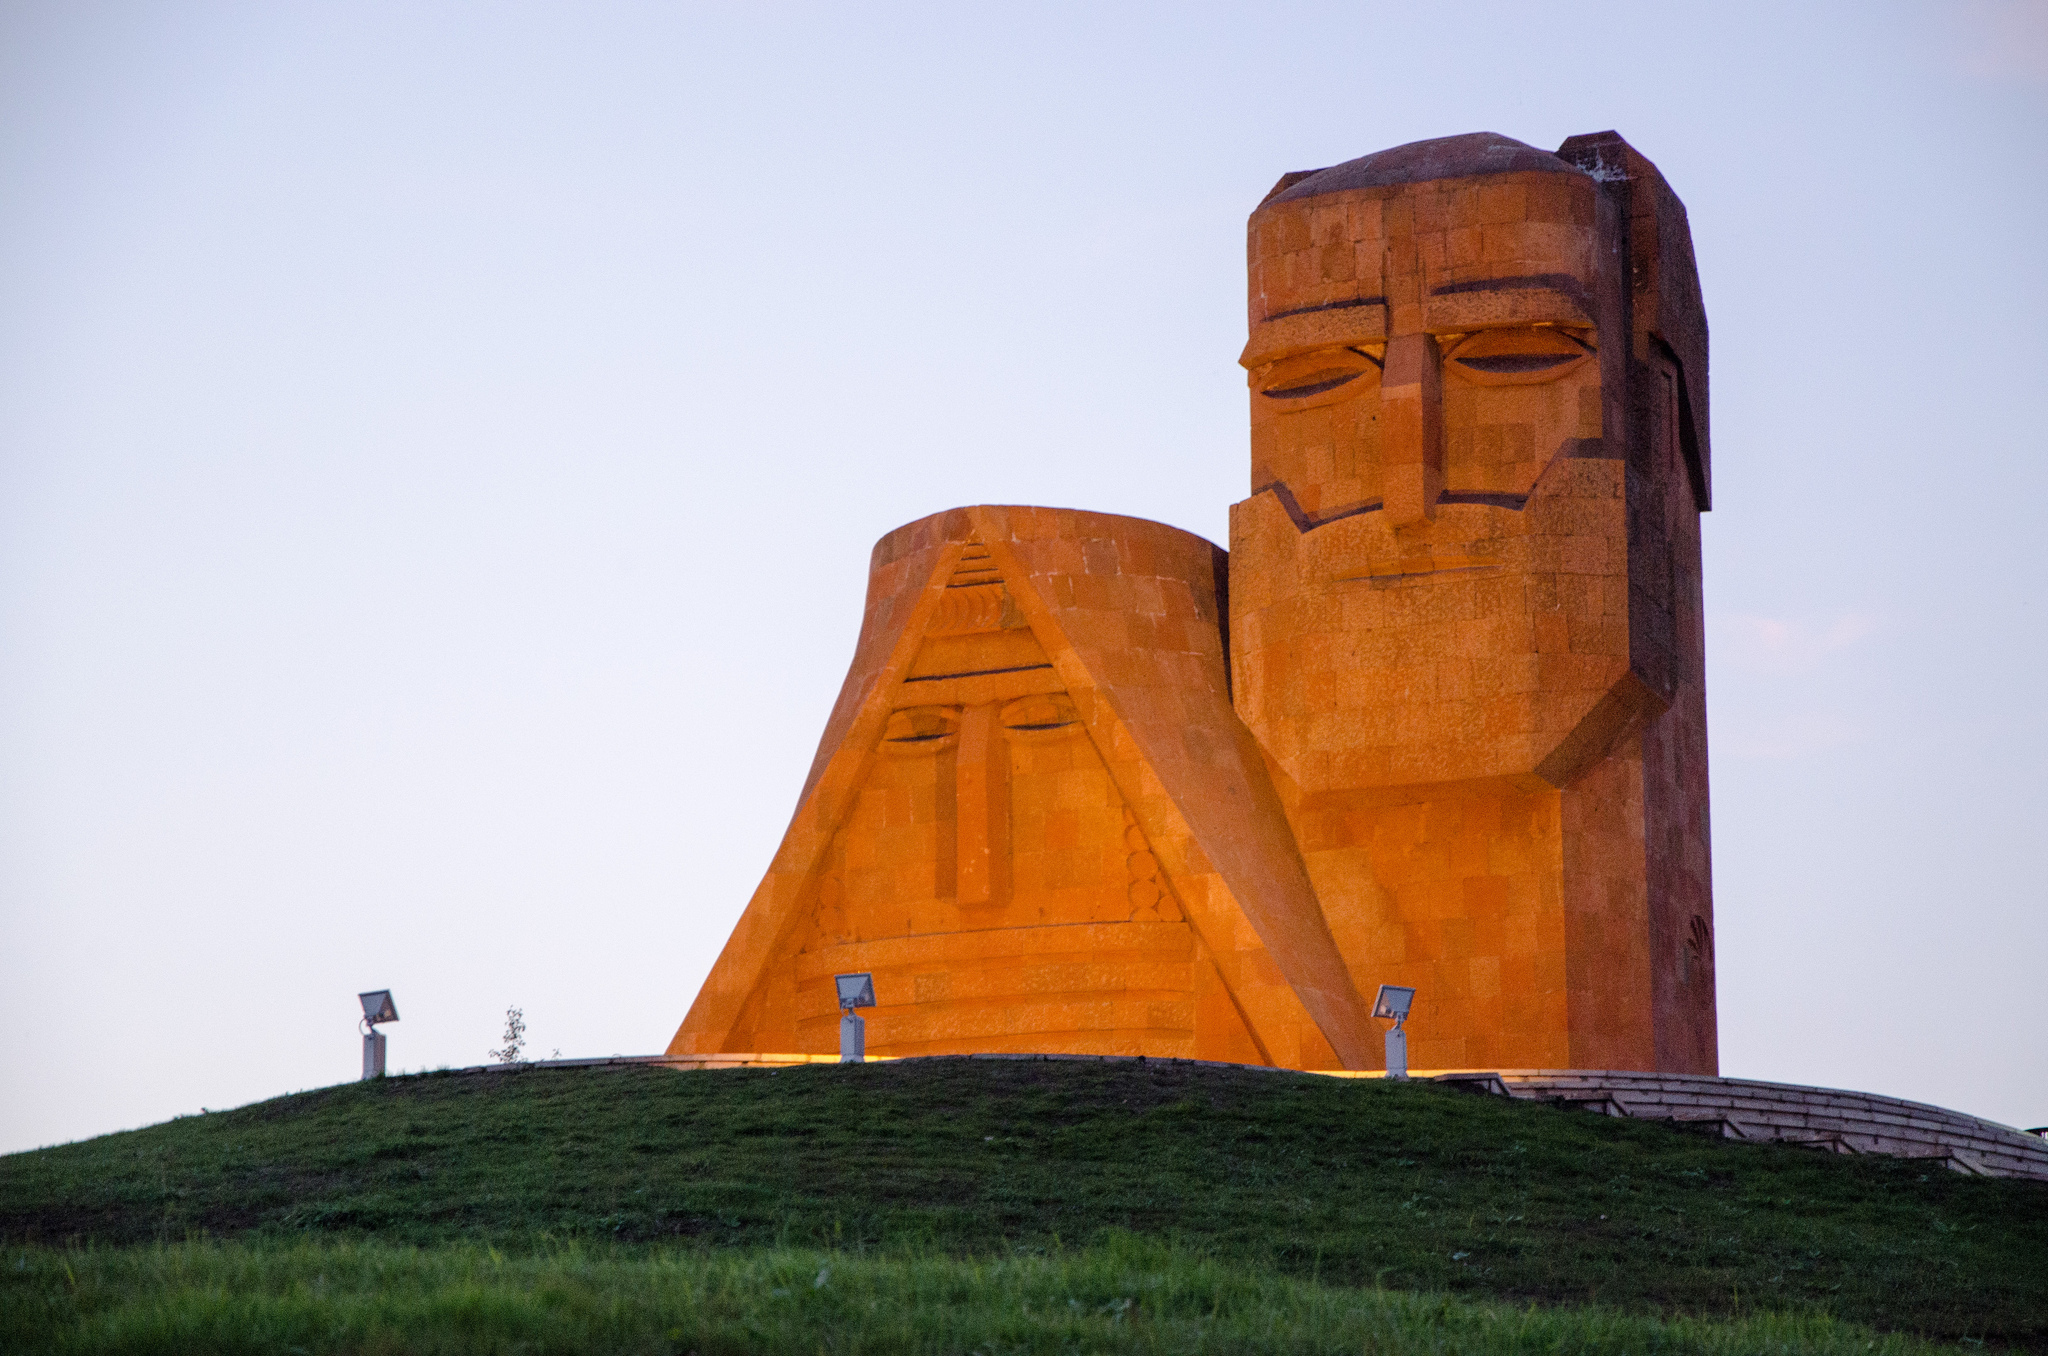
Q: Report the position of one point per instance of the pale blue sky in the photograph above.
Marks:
(440, 446)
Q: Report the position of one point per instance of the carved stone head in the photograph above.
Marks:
(1457, 362)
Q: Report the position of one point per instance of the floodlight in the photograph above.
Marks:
(377, 1007)
(855, 991)
(1393, 1001)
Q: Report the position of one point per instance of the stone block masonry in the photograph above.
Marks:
(1437, 718)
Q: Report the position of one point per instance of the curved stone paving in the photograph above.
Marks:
(1785, 1113)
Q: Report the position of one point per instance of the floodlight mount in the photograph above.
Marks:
(1393, 1001)
(377, 1007)
(855, 991)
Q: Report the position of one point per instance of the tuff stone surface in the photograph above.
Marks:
(1092, 786)
(1037, 821)
(1465, 591)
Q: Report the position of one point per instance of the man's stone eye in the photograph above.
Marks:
(1517, 357)
(1315, 383)
(1518, 362)
(1311, 374)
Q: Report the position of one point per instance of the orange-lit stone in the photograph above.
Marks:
(1037, 821)
(1458, 740)
(1465, 592)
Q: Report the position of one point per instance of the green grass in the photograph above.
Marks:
(1292, 1180)
(1126, 1295)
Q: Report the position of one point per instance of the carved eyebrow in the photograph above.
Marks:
(1545, 328)
(1329, 306)
(1553, 282)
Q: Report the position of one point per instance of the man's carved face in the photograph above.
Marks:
(1429, 582)
(1429, 345)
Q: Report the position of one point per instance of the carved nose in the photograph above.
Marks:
(982, 801)
(1412, 428)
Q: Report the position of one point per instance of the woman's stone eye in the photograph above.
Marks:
(1051, 711)
(919, 725)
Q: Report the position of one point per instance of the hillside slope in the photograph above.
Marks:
(1411, 1186)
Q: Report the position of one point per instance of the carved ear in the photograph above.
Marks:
(1665, 280)
(1287, 181)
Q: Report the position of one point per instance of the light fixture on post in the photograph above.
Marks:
(855, 991)
(377, 1007)
(1394, 1001)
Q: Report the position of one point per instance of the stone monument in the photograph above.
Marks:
(1436, 719)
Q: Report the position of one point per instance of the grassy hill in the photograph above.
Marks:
(1276, 1179)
